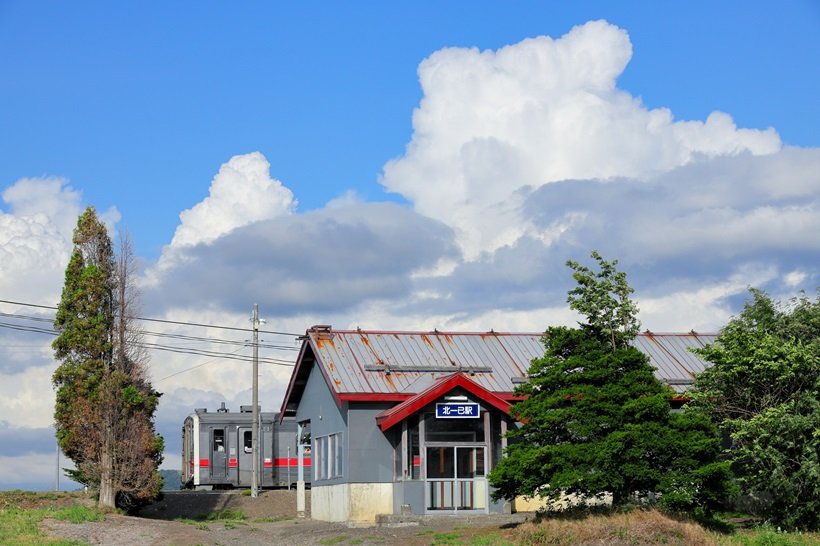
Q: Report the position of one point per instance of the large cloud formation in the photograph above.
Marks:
(243, 243)
(536, 112)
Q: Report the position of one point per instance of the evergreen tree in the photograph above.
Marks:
(596, 422)
(763, 390)
(104, 405)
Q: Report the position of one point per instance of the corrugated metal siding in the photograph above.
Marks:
(357, 361)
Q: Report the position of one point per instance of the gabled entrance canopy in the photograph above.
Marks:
(442, 386)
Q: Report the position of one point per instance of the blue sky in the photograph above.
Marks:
(407, 165)
(137, 104)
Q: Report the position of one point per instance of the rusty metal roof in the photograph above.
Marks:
(669, 354)
(370, 362)
(383, 365)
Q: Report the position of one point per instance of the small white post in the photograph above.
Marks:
(300, 480)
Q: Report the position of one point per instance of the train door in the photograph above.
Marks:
(219, 458)
(245, 456)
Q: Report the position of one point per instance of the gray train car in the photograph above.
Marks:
(217, 450)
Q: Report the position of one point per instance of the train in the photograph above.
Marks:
(217, 450)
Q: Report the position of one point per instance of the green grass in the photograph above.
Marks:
(769, 536)
(333, 540)
(78, 514)
(446, 538)
(357, 541)
(20, 526)
(226, 515)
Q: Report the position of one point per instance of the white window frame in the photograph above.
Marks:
(328, 457)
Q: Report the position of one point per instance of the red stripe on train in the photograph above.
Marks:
(293, 461)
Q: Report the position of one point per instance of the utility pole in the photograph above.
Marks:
(255, 428)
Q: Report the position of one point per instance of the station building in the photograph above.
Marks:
(412, 422)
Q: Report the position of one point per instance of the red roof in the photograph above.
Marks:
(439, 388)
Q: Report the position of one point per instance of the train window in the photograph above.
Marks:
(247, 441)
(219, 439)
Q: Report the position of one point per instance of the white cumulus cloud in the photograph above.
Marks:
(542, 110)
(241, 193)
(35, 237)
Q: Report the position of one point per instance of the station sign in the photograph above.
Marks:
(457, 410)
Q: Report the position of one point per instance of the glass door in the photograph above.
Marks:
(456, 478)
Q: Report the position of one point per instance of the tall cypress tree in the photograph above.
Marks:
(104, 406)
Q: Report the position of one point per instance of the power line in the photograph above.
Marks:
(172, 336)
(34, 329)
(216, 355)
(164, 321)
(188, 369)
(202, 352)
(244, 343)
(168, 348)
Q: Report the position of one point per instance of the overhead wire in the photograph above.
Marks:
(191, 368)
(166, 321)
(165, 347)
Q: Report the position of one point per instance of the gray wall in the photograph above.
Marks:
(318, 406)
(409, 492)
(371, 454)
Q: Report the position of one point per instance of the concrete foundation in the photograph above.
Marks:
(352, 503)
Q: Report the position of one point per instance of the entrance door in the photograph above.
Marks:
(219, 459)
(456, 478)
(245, 456)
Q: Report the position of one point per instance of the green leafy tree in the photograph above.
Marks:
(104, 405)
(762, 390)
(603, 298)
(596, 421)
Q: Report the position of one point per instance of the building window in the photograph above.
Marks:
(328, 457)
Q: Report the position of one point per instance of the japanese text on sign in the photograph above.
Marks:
(457, 410)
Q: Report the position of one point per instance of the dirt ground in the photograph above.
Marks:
(269, 519)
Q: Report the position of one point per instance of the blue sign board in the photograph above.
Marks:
(457, 410)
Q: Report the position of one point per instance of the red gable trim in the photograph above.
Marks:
(397, 414)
